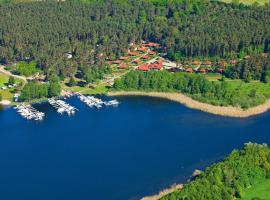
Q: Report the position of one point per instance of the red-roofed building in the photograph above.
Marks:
(143, 67)
(151, 44)
(116, 62)
(123, 66)
(145, 57)
(142, 49)
(195, 62)
(152, 53)
(137, 61)
(155, 67)
(158, 62)
(202, 71)
(133, 53)
(124, 58)
(189, 70)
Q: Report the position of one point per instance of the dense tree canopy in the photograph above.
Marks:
(62, 36)
(228, 179)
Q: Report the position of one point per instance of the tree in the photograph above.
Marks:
(11, 80)
(72, 82)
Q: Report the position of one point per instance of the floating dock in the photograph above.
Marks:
(62, 107)
(30, 113)
(92, 101)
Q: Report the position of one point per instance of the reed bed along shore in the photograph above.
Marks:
(228, 111)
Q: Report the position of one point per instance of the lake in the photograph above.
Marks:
(115, 153)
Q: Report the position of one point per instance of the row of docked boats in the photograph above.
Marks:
(92, 101)
(62, 107)
(30, 113)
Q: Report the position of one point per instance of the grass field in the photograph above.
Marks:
(249, 1)
(259, 191)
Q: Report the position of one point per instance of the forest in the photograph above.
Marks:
(229, 179)
(63, 37)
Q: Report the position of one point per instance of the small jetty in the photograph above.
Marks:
(30, 113)
(62, 107)
(92, 101)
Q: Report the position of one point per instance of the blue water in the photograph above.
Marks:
(122, 153)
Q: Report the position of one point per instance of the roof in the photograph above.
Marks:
(152, 53)
(137, 61)
(145, 57)
(159, 62)
(155, 66)
(151, 44)
(133, 53)
(143, 67)
(123, 66)
(189, 70)
(124, 58)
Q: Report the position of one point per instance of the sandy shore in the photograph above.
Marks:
(191, 103)
(163, 192)
(5, 102)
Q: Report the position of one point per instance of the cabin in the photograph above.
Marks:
(123, 67)
(124, 58)
(143, 67)
(189, 70)
(116, 62)
(151, 44)
(133, 53)
(195, 63)
(142, 49)
(155, 67)
(207, 63)
(146, 57)
(202, 71)
(137, 61)
(152, 53)
(219, 70)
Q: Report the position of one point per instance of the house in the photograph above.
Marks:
(137, 61)
(219, 70)
(143, 67)
(151, 44)
(174, 69)
(145, 57)
(133, 53)
(152, 53)
(207, 63)
(116, 62)
(189, 70)
(202, 71)
(264, 55)
(195, 62)
(142, 49)
(124, 58)
(155, 67)
(123, 66)
(158, 62)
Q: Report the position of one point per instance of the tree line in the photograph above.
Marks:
(194, 85)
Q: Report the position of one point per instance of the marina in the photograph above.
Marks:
(30, 113)
(62, 107)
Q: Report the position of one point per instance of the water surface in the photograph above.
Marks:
(136, 149)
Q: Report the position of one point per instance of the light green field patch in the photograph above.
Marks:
(249, 2)
(259, 191)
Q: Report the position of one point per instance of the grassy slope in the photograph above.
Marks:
(260, 190)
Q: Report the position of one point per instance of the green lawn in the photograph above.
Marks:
(260, 191)
(3, 80)
(249, 1)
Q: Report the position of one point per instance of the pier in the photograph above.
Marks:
(92, 101)
(62, 107)
(30, 113)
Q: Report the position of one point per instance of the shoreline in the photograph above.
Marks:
(164, 192)
(228, 111)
